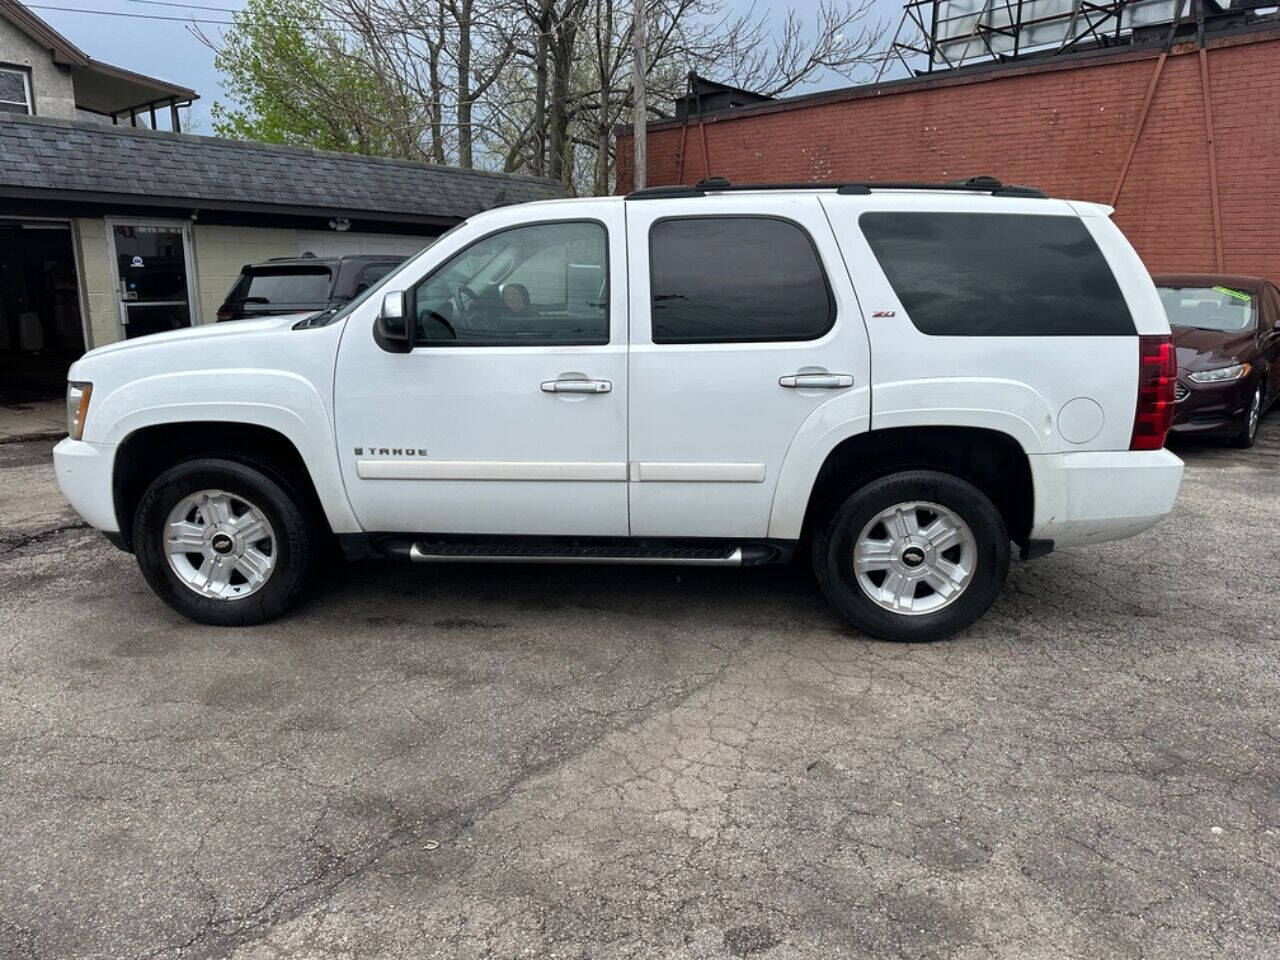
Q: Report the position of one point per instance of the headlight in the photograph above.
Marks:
(78, 394)
(1222, 374)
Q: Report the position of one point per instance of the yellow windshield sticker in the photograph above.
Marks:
(1239, 295)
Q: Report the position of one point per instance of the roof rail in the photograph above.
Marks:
(981, 184)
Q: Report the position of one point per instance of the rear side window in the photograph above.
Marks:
(734, 279)
(998, 275)
(306, 285)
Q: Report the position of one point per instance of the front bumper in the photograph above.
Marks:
(1083, 498)
(84, 472)
(1212, 410)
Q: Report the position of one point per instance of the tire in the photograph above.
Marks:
(979, 551)
(289, 541)
(1252, 415)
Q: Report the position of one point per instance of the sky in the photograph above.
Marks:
(167, 48)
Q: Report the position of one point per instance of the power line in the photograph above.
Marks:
(132, 16)
(185, 6)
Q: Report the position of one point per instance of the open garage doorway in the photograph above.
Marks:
(41, 327)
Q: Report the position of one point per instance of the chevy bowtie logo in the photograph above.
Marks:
(390, 452)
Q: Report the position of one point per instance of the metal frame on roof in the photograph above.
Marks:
(938, 35)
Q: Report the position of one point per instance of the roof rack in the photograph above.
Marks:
(720, 185)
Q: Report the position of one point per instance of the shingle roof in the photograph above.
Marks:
(61, 159)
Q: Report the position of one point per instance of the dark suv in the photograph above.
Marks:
(302, 284)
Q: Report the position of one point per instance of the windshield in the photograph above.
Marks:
(341, 313)
(1209, 308)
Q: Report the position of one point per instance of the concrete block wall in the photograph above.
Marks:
(51, 86)
(97, 283)
(1064, 127)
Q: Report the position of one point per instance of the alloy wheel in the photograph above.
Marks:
(915, 558)
(220, 545)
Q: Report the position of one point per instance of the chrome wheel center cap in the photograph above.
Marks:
(222, 543)
(911, 557)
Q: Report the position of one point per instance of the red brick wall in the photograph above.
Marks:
(1065, 129)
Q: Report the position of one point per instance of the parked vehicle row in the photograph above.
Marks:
(901, 381)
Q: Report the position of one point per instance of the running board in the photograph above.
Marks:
(511, 553)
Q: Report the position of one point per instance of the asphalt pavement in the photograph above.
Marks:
(626, 762)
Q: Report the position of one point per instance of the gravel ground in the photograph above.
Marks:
(628, 762)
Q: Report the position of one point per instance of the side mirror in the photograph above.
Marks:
(393, 331)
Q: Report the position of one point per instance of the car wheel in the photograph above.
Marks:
(913, 556)
(225, 542)
(1249, 429)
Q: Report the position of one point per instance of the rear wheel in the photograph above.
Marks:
(918, 555)
(225, 542)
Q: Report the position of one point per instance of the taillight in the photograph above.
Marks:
(1157, 377)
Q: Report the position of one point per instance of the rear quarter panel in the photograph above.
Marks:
(1031, 388)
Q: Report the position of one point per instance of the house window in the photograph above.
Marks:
(15, 90)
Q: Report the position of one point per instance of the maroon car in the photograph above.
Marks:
(1227, 333)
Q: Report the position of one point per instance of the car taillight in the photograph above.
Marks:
(1157, 378)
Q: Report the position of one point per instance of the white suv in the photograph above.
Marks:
(900, 379)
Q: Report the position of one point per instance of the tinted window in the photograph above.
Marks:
(1209, 308)
(372, 274)
(309, 285)
(997, 275)
(726, 279)
(541, 284)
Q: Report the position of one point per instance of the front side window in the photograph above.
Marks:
(1210, 308)
(998, 275)
(736, 279)
(15, 91)
(543, 284)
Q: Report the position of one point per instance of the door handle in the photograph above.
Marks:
(576, 386)
(816, 381)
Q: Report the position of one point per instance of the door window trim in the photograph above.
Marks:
(533, 344)
(188, 253)
(833, 304)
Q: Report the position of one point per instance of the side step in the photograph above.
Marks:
(509, 552)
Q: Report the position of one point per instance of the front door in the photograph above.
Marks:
(744, 325)
(509, 416)
(153, 281)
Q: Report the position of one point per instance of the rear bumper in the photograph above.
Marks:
(1086, 498)
(84, 471)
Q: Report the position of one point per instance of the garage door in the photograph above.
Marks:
(328, 243)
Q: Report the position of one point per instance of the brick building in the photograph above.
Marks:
(1166, 138)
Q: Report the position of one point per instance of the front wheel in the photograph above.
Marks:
(224, 542)
(1249, 429)
(913, 556)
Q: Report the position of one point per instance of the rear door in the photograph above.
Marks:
(744, 325)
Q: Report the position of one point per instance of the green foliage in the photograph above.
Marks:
(295, 80)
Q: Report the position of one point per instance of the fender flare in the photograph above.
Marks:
(833, 423)
(293, 408)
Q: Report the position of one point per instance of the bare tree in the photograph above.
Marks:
(536, 86)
